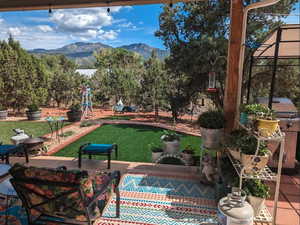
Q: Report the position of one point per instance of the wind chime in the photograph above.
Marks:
(86, 102)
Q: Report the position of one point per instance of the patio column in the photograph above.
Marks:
(233, 80)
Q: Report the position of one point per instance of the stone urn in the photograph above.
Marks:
(33, 115)
(3, 114)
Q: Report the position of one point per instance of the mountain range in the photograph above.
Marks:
(82, 52)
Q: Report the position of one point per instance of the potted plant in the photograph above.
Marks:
(156, 150)
(3, 112)
(188, 153)
(33, 112)
(171, 142)
(251, 162)
(234, 142)
(256, 192)
(74, 114)
(267, 124)
(212, 128)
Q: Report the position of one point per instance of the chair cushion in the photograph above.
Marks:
(4, 149)
(98, 148)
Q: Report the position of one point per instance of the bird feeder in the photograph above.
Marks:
(212, 82)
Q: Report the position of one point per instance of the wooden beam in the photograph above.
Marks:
(233, 84)
(22, 5)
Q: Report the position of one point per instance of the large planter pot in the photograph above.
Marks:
(256, 203)
(254, 164)
(156, 155)
(33, 115)
(212, 138)
(74, 116)
(267, 128)
(171, 147)
(3, 115)
(188, 157)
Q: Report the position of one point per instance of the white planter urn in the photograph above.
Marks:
(212, 138)
(156, 156)
(171, 147)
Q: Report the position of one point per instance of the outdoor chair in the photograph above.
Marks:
(97, 149)
(7, 150)
(60, 196)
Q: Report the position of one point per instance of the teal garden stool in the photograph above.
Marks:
(97, 149)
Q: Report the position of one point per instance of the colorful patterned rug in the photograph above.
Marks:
(155, 199)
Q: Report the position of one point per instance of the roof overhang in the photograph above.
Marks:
(19, 5)
(289, 43)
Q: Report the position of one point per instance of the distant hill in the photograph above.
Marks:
(82, 52)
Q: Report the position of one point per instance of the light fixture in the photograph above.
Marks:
(171, 5)
(108, 9)
(50, 9)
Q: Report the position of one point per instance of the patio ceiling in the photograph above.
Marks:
(289, 43)
(19, 5)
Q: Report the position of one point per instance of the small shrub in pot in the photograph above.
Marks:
(256, 192)
(74, 114)
(188, 153)
(212, 128)
(171, 142)
(33, 112)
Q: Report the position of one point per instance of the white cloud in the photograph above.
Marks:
(14, 31)
(125, 25)
(108, 35)
(45, 28)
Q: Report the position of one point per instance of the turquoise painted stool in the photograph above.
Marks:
(97, 149)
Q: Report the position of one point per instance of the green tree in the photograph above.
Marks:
(118, 74)
(153, 84)
(196, 33)
(24, 80)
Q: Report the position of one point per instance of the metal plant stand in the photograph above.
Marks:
(265, 174)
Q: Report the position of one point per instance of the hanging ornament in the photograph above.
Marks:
(212, 82)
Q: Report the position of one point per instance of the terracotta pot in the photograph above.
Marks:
(254, 164)
(156, 155)
(256, 203)
(171, 147)
(212, 138)
(267, 128)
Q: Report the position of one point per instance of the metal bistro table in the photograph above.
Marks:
(56, 124)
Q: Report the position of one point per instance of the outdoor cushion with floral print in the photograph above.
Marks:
(71, 204)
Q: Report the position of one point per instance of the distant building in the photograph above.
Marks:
(87, 72)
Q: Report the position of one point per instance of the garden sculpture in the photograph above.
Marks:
(86, 101)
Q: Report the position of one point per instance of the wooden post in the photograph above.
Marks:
(233, 79)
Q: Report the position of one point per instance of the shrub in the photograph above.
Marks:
(33, 108)
(170, 136)
(212, 119)
(256, 188)
(75, 108)
(2, 108)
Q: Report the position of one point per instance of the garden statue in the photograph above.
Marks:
(209, 171)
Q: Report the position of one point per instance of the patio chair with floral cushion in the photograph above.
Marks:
(60, 196)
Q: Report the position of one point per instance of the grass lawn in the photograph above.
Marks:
(33, 128)
(132, 140)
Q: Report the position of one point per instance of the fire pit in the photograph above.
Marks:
(34, 146)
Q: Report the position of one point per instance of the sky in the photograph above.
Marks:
(122, 26)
